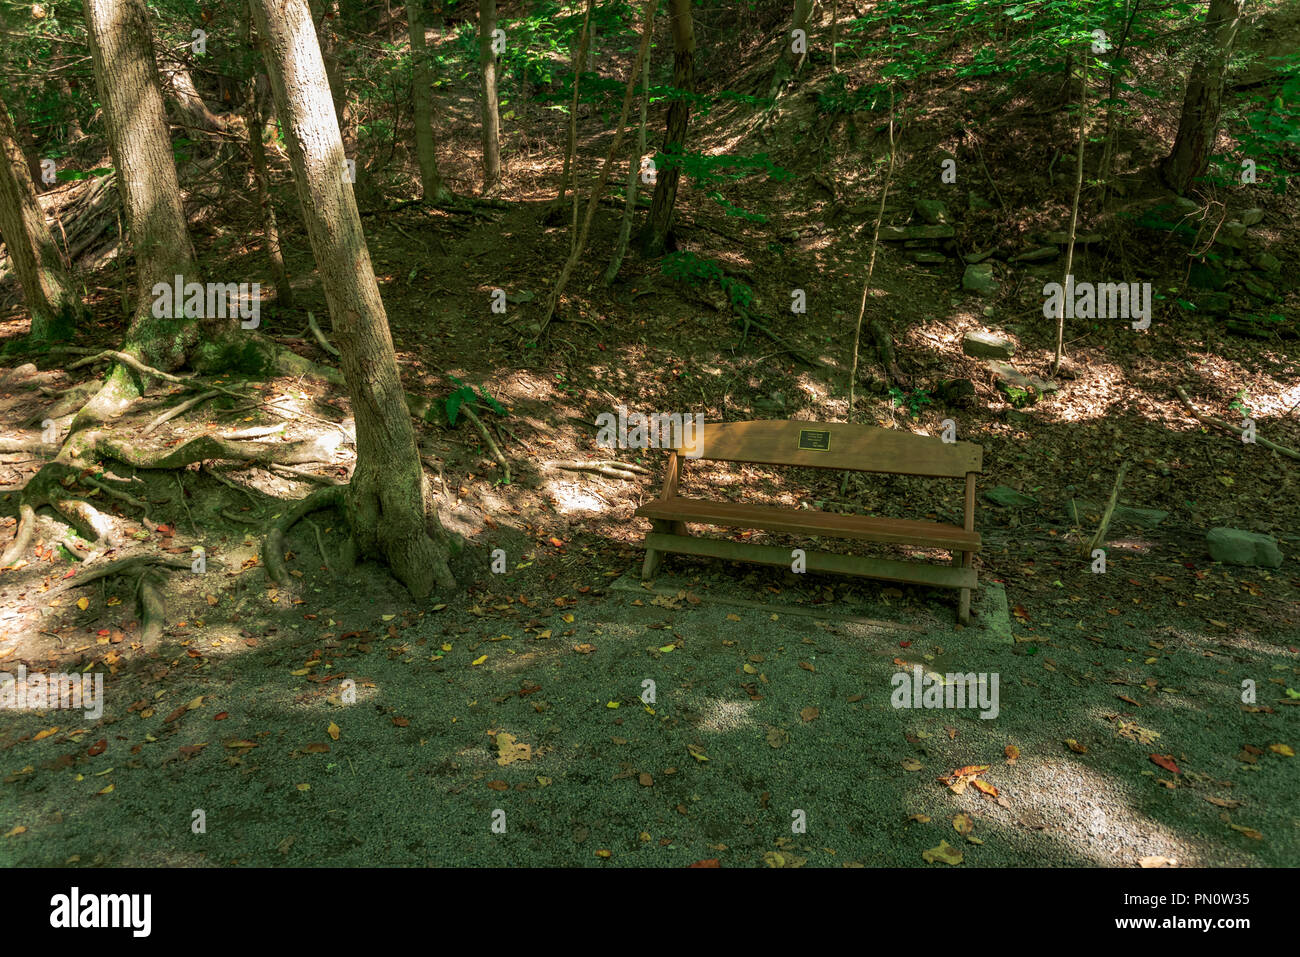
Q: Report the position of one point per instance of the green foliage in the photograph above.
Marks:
(466, 395)
(691, 269)
(913, 401)
(1239, 404)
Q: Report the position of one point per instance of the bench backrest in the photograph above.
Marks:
(834, 445)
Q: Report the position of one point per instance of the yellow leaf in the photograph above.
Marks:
(17, 829)
(1282, 749)
(42, 735)
(568, 619)
(604, 854)
(105, 790)
(196, 703)
(446, 646)
(304, 787)
(667, 648)
(611, 704)
(478, 661)
(944, 853)
(83, 603)
(333, 731)
(697, 753)
(300, 672)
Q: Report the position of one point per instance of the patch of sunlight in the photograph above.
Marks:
(720, 715)
(570, 498)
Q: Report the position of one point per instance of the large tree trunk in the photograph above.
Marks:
(426, 146)
(390, 504)
(487, 24)
(1199, 124)
(51, 298)
(660, 222)
(790, 61)
(121, 46)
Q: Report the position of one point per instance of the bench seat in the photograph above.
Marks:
(811, 522)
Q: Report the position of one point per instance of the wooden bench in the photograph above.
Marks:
(828, 445)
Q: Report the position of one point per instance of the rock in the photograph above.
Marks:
(1237, 547)
(986, 345)
(932, 212)
(1036, 255)
(1251, 217)
(956, 392)
(1235, 264)
(1207, 275)
(1259, 288)
(1020, 380)
(1266, 261)
(1079, 512)
(1082, 239)
(1008, 497)
(1232, 235)
(898, 233)
(1215, 303)
(979, 280)
(974, 258)
(932, 258)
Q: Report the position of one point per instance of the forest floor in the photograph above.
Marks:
(501, 696)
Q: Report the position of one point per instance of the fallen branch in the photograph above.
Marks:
(609, 469)
(1207, 420)
(320, 336)
(1099, 539)
(487, 437)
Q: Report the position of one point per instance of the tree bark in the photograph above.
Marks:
(258, 93)
(390, 503)
(47, 289)
(121, 46)
(1199, 123)
(789, 61)
(633, 181)
(487, 24)
(660, 222)
(426, 146)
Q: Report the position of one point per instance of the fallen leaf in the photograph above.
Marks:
(333, 731)
(1012, 753)
(962, 824)
(1166, 762)
(1075, 746)
(809, 713)
(944, 853)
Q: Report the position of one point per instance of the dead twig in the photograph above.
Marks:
(1207, 420)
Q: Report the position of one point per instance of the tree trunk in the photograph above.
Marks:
(1199, 124)
(326, 17)
(633, 181)
(50, 295)
(660, 223)
(790, 61)
(121, 47)
(191, 109)
(487, 24)
(390, 503)
(426, 147)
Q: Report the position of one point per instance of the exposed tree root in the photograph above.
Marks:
(273, 549)
(145, 370)
(22, 536)
(153, 606)
(179, 410)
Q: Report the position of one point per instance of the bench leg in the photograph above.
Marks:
(653, 557)
(963, 559)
